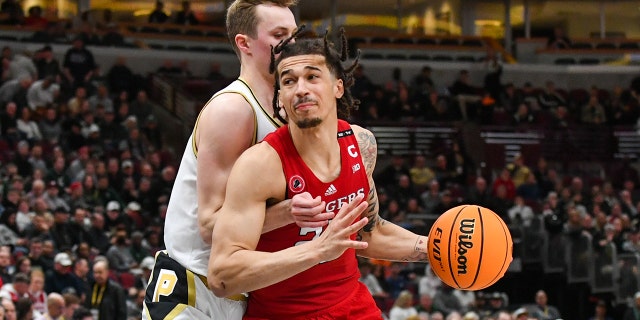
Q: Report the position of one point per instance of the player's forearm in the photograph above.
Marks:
(278, 215)
(392, 242)
(247, 270)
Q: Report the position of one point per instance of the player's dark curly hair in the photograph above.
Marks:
(334, 58)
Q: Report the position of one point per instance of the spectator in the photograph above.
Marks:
(50, 126)
(422, 84)
(550, 99)
(17, 289)
(403, 307)
(390, 175)
(27, 127)
(425, 307)
(15, 90)
(52, 198)
(100, 98)
(60, 278)
(445, 301)
(9, 123)
(520, 214)
(558, 40)
(135, 303)
(79, 64)
(465, 94)
(24, 309)
(55, 307)
(35, 19)
(600, 311)
(370, 280)
(121, 78)
(593, 112)
(47, 65)
(523, 115)
(9, 309)
(107, 296)
(141, 107)
(82, 314)
(36, 291)
(397, 280)
(42, 93)
(60, 231)
(158, 15)
(12, 12)
(80, 274)
(186, 16)
(119, 254)
(542, 310)
(71, 303)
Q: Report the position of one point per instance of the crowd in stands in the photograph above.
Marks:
(85, 180)
(493, 102)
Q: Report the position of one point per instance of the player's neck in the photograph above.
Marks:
(260, 84)
(319, 149)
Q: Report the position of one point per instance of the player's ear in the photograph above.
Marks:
(339, 88)
(242, 42)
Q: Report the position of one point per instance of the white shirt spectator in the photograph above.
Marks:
(30, 129)
(22, 65)
(429, 284)
(42, 93)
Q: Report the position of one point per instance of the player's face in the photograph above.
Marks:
(308, 90)
(275, 24)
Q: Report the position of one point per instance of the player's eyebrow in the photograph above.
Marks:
(288, 71)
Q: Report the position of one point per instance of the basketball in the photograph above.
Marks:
(469, 247)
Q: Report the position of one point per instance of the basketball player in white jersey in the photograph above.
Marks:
(234, 119)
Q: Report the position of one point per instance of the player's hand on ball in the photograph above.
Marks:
(336, 238)
(308, 212)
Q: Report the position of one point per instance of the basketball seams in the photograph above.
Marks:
(450, 246)
(504, 261)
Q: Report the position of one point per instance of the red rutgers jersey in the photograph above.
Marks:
(330, 282)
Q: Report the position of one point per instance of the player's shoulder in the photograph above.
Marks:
(363, 135)
(229, 104)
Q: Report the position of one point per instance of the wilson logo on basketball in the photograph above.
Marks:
(467, 226)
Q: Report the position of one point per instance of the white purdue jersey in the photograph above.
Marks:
(182, 236)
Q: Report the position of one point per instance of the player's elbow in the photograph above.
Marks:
(217, 285)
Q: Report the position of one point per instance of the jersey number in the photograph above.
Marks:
(167, 280)
(306, 231)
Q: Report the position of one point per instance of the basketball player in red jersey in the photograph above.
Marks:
(307, 273)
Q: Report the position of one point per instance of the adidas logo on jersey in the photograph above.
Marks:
(331, 190)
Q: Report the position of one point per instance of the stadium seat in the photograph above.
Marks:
(581, 45)
(606, 45)
(422, 57)
(629, 45)
(472, 43)
(589, 61)
(565, 61)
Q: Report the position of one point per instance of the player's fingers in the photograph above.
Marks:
(312, 224)
(317, 217)
(351, 215)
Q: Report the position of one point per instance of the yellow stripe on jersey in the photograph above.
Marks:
(177, 310)
(191, 285)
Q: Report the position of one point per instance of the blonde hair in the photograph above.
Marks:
(405, 299)
(242, 19)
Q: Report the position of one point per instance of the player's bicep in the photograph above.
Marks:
(219, 142)
(250, 185)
